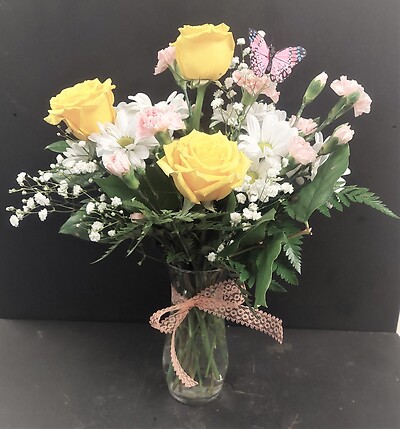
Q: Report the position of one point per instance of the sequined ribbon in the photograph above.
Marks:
(222, 300)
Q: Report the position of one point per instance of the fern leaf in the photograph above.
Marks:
(292, 249)
(365, 196)
(286, 274)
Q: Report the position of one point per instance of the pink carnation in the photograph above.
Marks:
(301, 150)
(306, 126)
(344, 133)
(255, 85)
(117, 163)
(136, 216)
(344, 87)
(155, 119)
(166, 57)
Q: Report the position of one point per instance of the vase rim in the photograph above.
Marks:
(182, 270)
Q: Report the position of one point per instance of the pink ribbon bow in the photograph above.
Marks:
(223, 300)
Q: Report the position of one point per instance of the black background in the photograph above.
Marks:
(351, 272)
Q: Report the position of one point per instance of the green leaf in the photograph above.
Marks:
(255, 234)
(317, 192)
(276, 287)
(113, 186)
(58, 147)
(286, 274)
(364, 196)
(76, 225)
(265, 260)
(292, 249)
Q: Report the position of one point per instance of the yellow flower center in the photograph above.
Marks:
(254, 176)
(263, 145)
(125, 141)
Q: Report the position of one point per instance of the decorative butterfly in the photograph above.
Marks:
(264, 58)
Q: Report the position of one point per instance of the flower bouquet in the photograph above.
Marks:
(224, 190)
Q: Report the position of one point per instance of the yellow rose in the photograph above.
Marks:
(204, 167)
(204, 52)
(82, 106)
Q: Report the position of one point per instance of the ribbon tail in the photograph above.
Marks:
(254, 319)
(186, 380)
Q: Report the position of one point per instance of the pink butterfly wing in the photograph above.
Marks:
(283, 62)
(259, 53)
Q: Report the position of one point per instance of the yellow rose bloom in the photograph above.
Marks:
(82, 106)
(204, 167)
(204, 52)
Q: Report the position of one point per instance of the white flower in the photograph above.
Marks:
(30, 203)
(122, 136)
(211, 256)
(41, 199)
(231, 93)
(94, 236)
(97, 226)
(42, 214)
(240, 41)
(235, 61)
(235, 218)
(228, 82)
(246, 51)
(111, 233)
(218, 93)
(217, 102)
(238, 107)
(268, 137)
(253, 207)
(14, 221)
(241, 198)
(287, 188)
(45, 177)
(221, 247)
(116, 201)
(90, 207)
(102, 197)
(101, 207)
(76, 190)
(20, 179)
(62, 189)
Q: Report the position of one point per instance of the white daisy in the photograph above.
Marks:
(268, 137)
(121, 135)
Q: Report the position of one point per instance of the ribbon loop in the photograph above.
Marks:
(222, 300)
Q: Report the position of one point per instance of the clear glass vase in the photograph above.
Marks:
(200, 342)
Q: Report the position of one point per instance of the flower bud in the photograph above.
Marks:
(329, 146)
(343, 133)
(314, 88)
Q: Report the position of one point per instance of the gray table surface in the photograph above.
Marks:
(108, 375)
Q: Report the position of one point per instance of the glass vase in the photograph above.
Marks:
(200, 342)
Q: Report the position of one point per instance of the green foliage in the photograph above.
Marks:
(317, 192)
(113, 186)
(77, 225)
(266, 258)
(292, 249)
(354, 194)
(285, 273)
(58, 147)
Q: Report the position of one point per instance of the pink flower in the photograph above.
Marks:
(117, 163)
(155, 119)
(344, 87)
(166, 57)
(306, 126)
(136, 216)
(301, 150)
(344, 133)
(255, 85)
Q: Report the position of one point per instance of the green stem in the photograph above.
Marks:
(201, 90)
